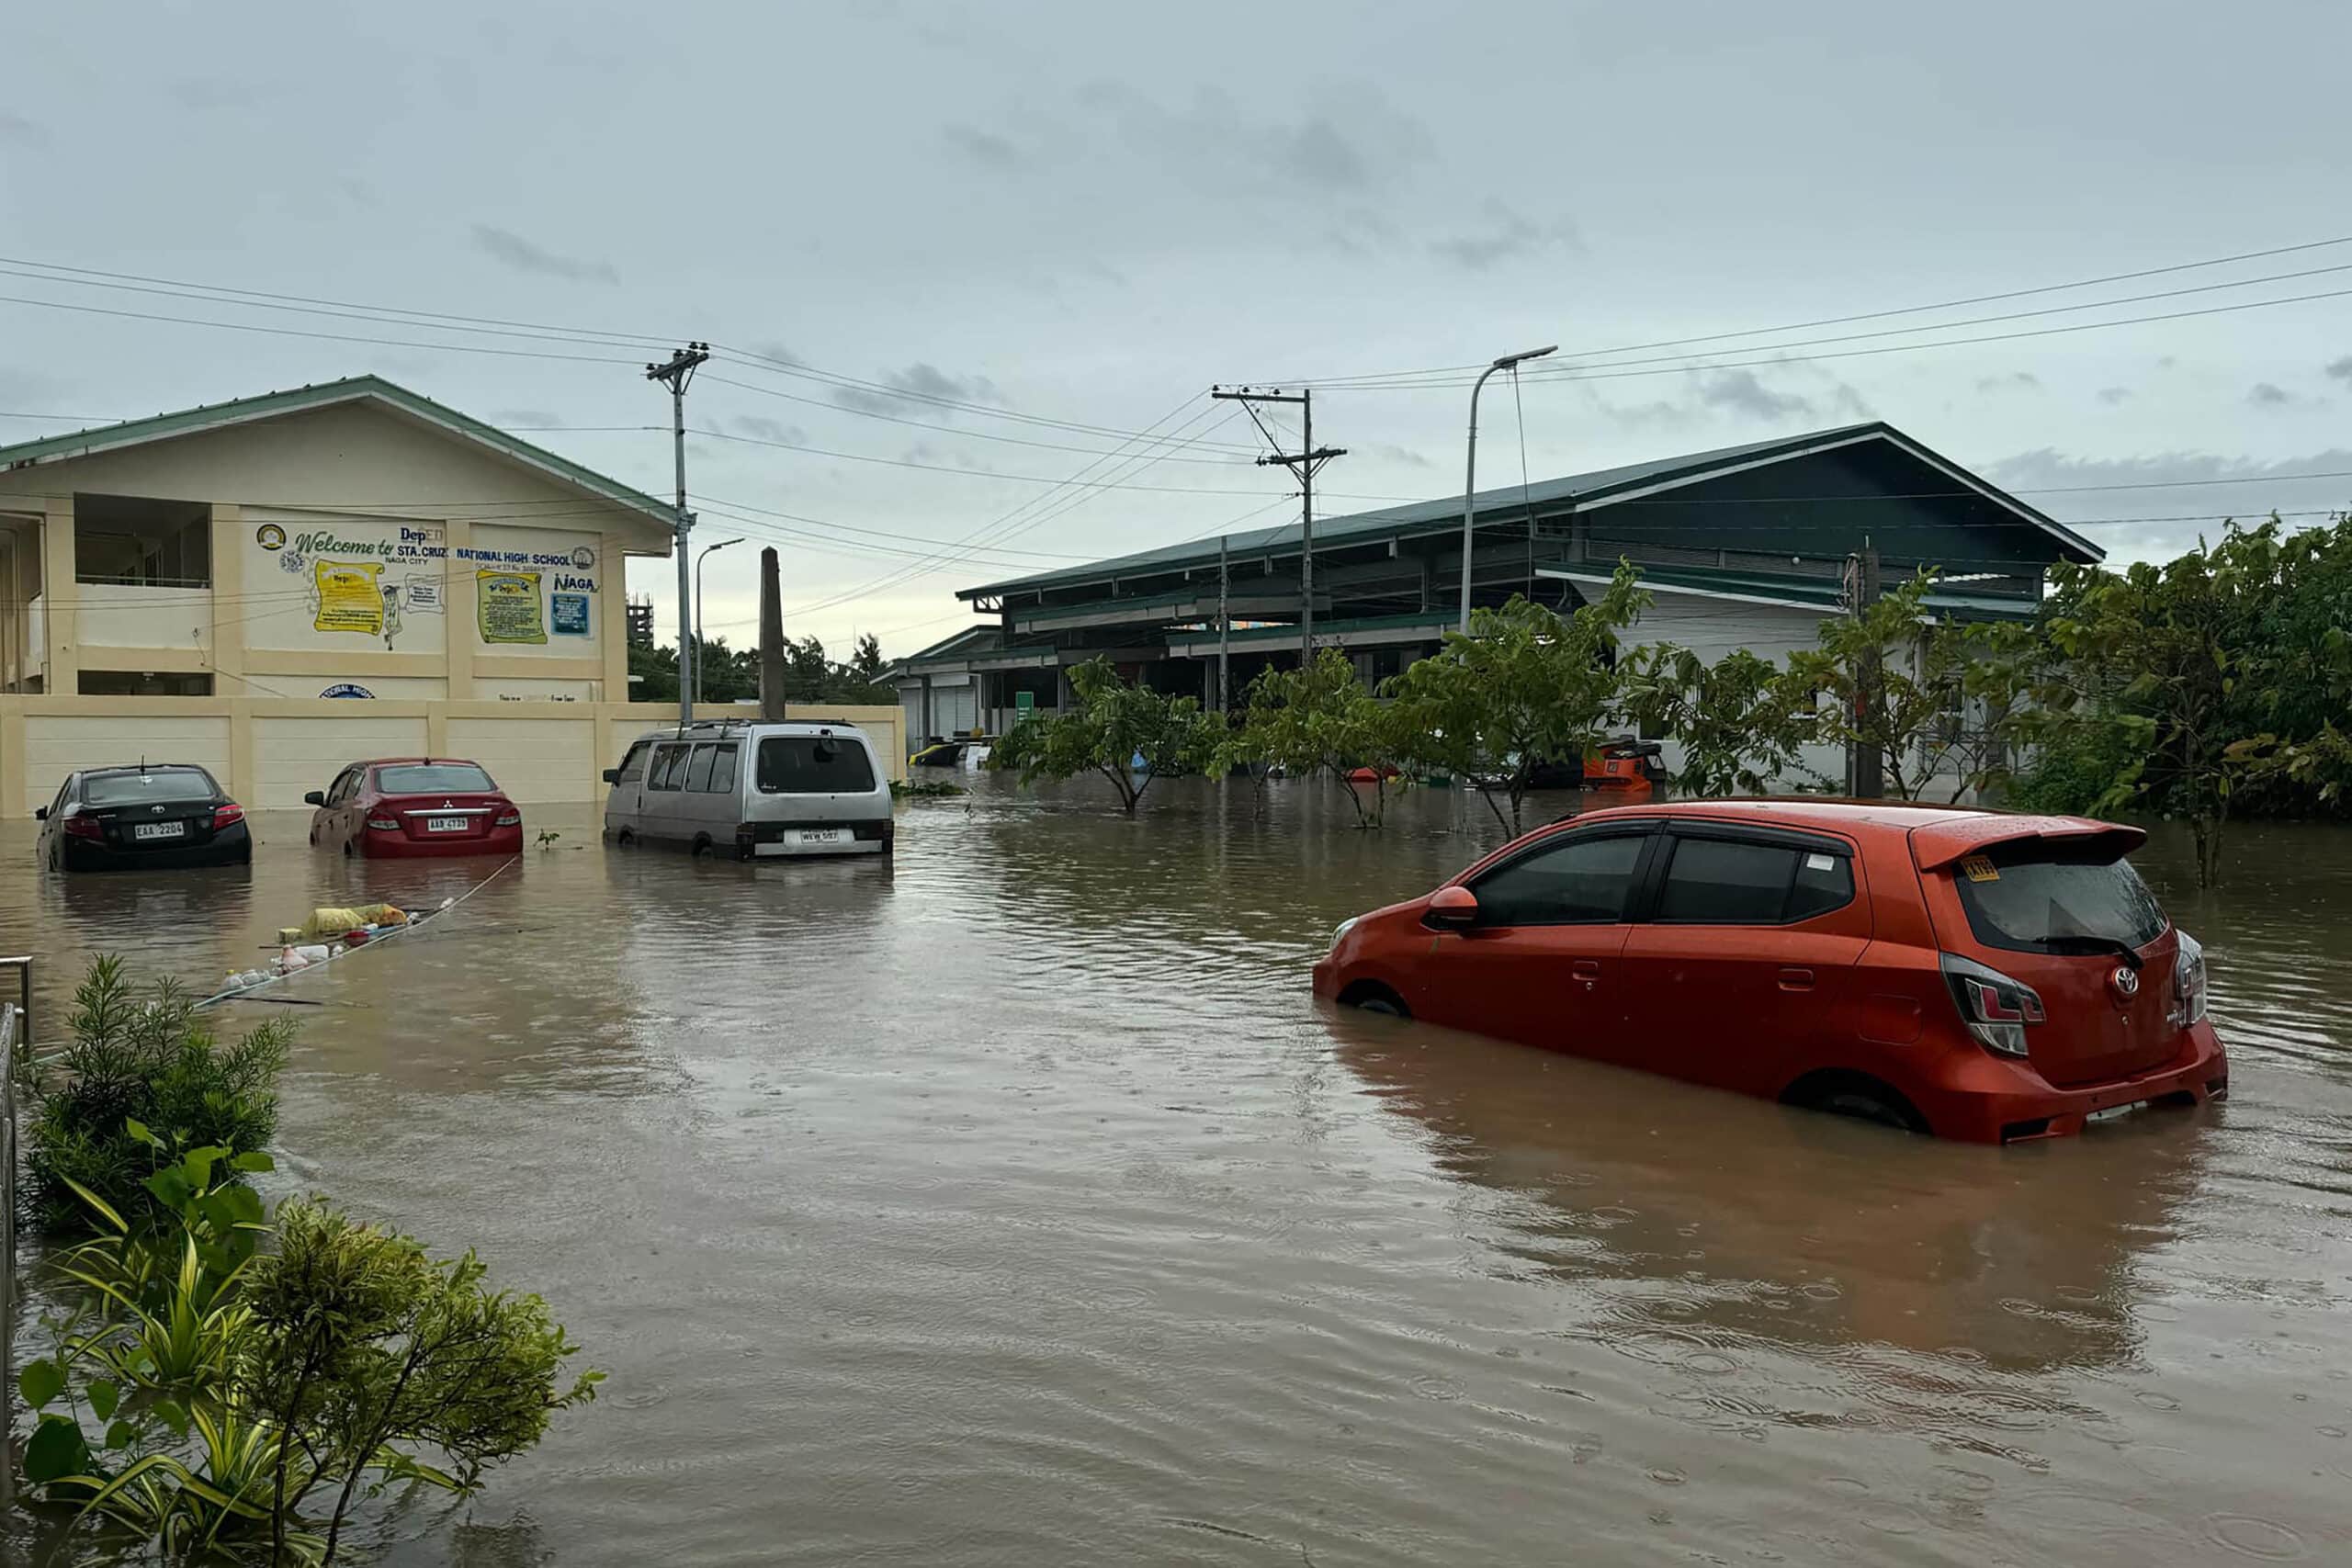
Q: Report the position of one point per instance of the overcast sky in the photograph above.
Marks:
(1087, 213)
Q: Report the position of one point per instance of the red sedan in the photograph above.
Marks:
(399, 806)
(1977, 975)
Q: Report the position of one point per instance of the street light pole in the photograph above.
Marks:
(698, 560)
(1470, 480)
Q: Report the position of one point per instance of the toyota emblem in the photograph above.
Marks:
(2126, 981)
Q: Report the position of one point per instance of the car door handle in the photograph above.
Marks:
(1796, 979)
(1585, 969)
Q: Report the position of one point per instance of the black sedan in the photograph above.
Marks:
(162, 814)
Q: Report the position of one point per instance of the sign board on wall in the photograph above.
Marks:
(507, 606)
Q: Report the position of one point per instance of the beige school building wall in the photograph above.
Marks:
(268, 752)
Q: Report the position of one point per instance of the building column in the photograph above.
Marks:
(62, 656)
(459, 616)
(23, 585)
(612, 637)
(11, 612)
(228, 544)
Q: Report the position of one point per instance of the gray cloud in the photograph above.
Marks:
(2111, 396)
(17, 128)
(1347, 145)
(2268, 395)
(2341, 369)
(517, 419)
(984, 146)
(2200, 487)
(1744, 394)
(1510, 236)
(771, 348)
(761, 428)
(1741, 393)
(2015, 382)
(922, 383)
(1394, 454)
(504, 245)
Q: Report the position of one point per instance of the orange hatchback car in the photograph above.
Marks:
(1977, 975)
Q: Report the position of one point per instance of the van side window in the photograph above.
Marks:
(813, 764)
(632, 767)
(669, 763)
(722, 769)
(1724, 882)
(698, 770)
(1582, 881)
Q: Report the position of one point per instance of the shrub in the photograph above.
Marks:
(144, 1079)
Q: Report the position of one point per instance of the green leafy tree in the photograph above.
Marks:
(1321, 720)
(1941, 704)
(1126, 732)
(1739, 724)
(1525, 687)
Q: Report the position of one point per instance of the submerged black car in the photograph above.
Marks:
(162, 814)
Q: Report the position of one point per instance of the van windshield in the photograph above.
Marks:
(2036, 900)
(813, 764)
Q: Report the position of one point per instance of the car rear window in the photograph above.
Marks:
(813, 764)
(1725, 882)
(2032, 899)
(156, 784)
(434, 778)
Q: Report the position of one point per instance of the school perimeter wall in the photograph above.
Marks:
(268, 752)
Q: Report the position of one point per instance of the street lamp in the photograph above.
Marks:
(1470, 482)
(694, 689)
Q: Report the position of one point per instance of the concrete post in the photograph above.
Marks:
(61, 658)
(228, 542)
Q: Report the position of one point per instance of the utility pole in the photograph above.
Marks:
(1305, 463)
(675, 375)
(1865, 764)
(1224, 628)
(771, 637)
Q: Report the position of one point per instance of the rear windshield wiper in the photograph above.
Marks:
(2115, 946)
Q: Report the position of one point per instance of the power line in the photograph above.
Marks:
(325, 337)
(919, 424)
(1123, 437)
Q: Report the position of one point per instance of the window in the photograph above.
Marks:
(434, 778)
(813, 764)
(340, 791)
(722, 769)
(1731, 882)
(669, 767)
(1579, 881)
(632, 767)
(2035, 900)
(128, 788)
(698, 770)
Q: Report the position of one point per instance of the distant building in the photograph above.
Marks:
(640, 623)
(1743, 546)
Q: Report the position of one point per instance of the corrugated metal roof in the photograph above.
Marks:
(298, 400)
(1597, 485)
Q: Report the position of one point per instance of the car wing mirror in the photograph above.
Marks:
(612, 775)
(316, 797)
(1451, 908)
(41, 813)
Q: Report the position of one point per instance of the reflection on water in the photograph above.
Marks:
(1013, 1203)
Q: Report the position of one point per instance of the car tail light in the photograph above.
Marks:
(226, 815)
(2188, 984)
(1996, 1009)
(82, 828)
(507, 819)
(384, 824)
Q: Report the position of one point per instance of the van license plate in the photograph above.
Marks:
(445, 824)
(821, 836)
(159, 829)
(2115, 1113)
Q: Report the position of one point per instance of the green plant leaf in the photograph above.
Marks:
(40, 1381)
(138, 1130)
(251, 1160)
(104, 1397)
(120, 1436)
(56, 1450)
(172, 1414)
(106, 1209)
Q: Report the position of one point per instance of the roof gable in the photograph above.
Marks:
(326, 394)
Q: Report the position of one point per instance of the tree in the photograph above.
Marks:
(1735, 718)
(1321, 719)
(1932, 699)
(2168, 663)
(1128, 733)
(1525, 687)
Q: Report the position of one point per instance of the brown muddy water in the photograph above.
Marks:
(1015, 1205)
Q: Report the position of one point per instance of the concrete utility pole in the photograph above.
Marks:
(1305, 463)
(1865, 765)
(771, 637)
(675, 375)
(1470, 480)
(1224, 628)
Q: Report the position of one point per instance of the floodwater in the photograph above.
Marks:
(1015, 1205)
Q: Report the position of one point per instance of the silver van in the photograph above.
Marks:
(752, 790)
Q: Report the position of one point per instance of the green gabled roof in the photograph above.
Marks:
(300, 400)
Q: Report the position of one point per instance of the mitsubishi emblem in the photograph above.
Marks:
(2126, 981)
